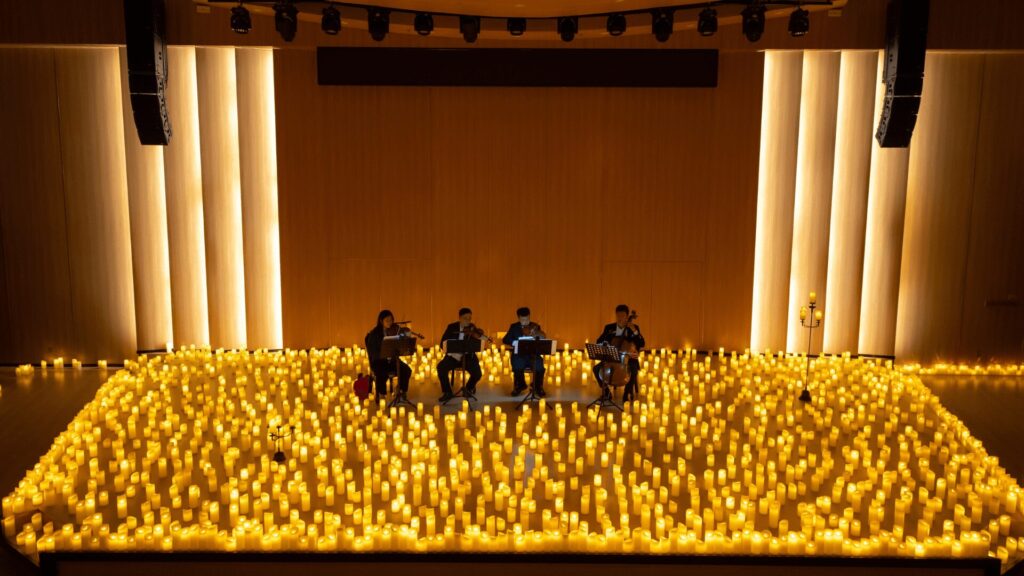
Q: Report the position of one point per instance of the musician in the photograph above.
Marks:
(459, 330)
(520, 362)
(382, 368)
(623, 328)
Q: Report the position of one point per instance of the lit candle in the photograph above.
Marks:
(813, 298)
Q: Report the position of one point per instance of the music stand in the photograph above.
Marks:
(394, 347)
(464, 347)
(531, 347)
(604, 353)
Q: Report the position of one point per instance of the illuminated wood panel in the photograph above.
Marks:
(855, 125)
(777, 173)
(883, 241)
(96, 197)
(184, 188)
(812, 205)
(222, 195)
(257, 143)
(147, 206)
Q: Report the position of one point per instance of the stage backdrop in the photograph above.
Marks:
(570, 201)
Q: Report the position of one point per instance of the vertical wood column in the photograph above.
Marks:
(780, 121)
(147, 208)
(96, 198)
(940, 190)
(257, 140)
(184, 188)
(883, 240)
(812, 207)
(222, 195)
(854, 132)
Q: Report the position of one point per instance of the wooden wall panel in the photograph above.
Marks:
(780, 114)
(855, 126)
(938, 213)
(222, 195)
(96, 197)
(569, 201)
(32, 212)
(257, 143)
(812, 205)
(883, 241)
(147, 206)
(993, 311)
(184, 188)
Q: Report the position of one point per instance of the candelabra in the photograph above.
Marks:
(810, 323)
(277, 437)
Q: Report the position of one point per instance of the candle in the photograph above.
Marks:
(813, 298)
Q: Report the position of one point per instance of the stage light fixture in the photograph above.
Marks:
(568, 26)
(470, 28)
(330, 23)
(661, 24)
(516, 26)
(423, 22)
(753, 21)
(378, 22)
(707, 22)
(241, 21)
(799, 22)
(616, 24)
(286, 19)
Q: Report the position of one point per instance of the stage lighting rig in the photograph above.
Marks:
(799, 22)
(378, 22)
(661, 24)
(241, 20)
(707, 22)
(286, 19)
(568, 26)
(469, 26)
(330, 22)
(423, 23)
(616, 24)
(516, 26)
(753, 21)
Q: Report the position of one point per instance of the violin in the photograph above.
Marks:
(532, 330)
(397, 329)
(616, 374)
(472, 331)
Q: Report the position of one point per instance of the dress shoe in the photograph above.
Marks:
(446, 397)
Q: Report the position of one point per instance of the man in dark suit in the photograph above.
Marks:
(382, 368)
(628, 331)
(520, 362)
(458, 331)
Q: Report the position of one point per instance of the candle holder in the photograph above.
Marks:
(809, 321)
(277, 437)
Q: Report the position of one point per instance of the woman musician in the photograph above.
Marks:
(525, 328)
(383, 368)
(461, 329)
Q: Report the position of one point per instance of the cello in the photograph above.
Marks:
(616, 374)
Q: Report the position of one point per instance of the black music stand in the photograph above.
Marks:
(464, 347)
(605, 353)
(530, 347)
(393, 348)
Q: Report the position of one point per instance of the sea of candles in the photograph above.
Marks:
(718, 456)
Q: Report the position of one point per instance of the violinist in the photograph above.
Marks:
(382, 368)
(525, 328)
(626, 333)
(462, 329)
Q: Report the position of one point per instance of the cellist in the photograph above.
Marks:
(624, 329)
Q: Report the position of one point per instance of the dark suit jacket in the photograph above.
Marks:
(633, 336)
(451, 332)
(374, 338)
(515, 332)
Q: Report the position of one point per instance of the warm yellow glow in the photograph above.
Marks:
(719, 456)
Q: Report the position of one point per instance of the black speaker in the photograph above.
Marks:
(147, 69)
(903, 74)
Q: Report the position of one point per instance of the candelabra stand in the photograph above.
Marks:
(277, 437)
(809, 321)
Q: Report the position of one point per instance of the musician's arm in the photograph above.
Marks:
(511, 336)
(638, 338)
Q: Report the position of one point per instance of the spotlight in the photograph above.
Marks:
(330, 23)
(753, 21)
(516, 26)
(799, 22)
(470, 28)
(616, 24)
(377, 22)
(286, 19)
(423, 23)
(707, 22)
(241, 21)
(661, 24)
(568, 26)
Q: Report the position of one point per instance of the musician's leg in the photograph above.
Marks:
(538, 376)
(473, 369)
(404, 373)
(380, 377)
(605, 390)
(631, 389)
(444, 372)
(518, 379)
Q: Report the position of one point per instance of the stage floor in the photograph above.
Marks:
(34, 409)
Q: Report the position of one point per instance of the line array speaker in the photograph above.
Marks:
(906, 41)
(147, 69)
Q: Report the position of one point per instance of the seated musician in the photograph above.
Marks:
(625, 329)
(524, 328)
(459, 330)
(382, 368)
